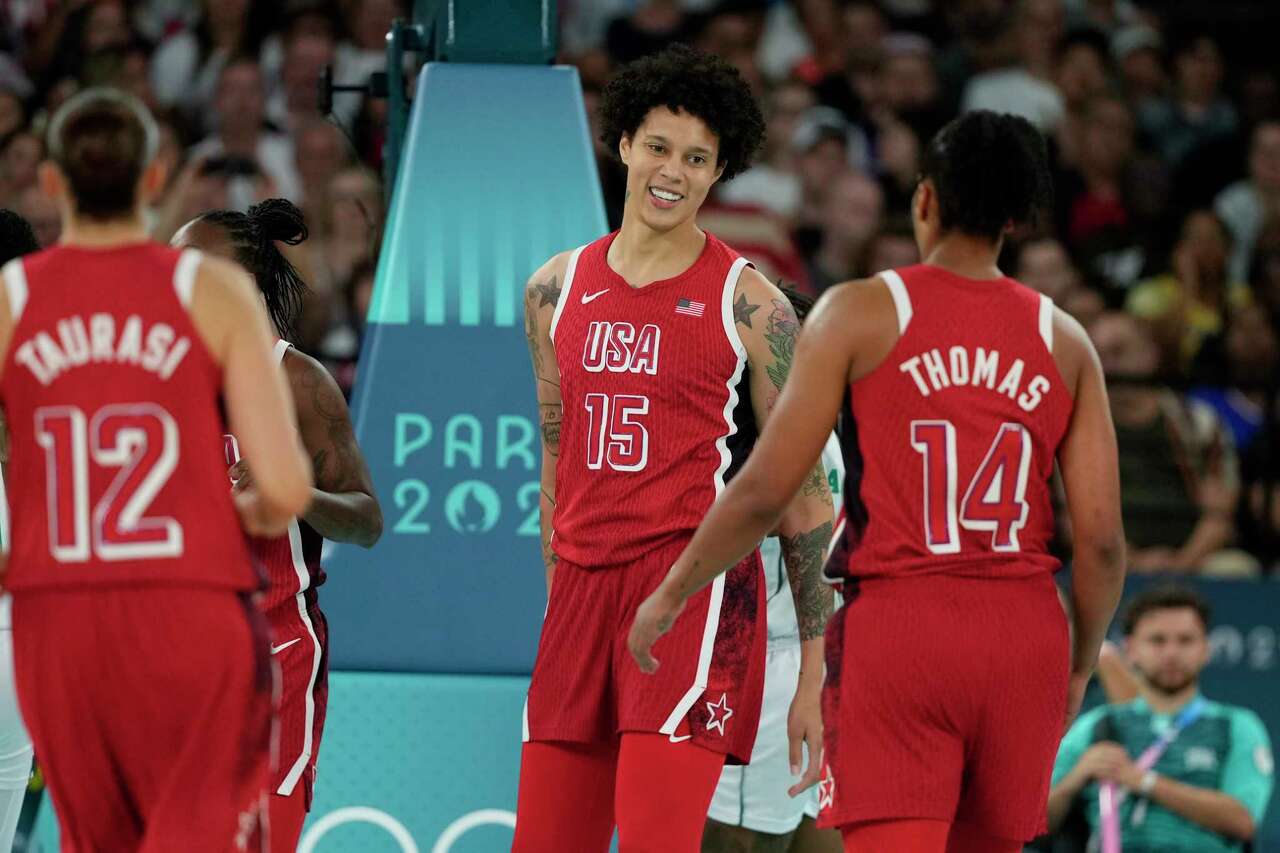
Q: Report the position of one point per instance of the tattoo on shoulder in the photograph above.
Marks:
(742, 310)
(546, 292)
(780, 333)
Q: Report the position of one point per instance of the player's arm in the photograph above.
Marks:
(1090, 475)
(232, 322)
(343, 505)
(541, 295)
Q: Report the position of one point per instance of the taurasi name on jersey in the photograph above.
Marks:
(158, 350)
(932, 371)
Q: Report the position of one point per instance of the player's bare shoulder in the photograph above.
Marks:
(1073, 351)
(858, 319)
(542, 292)
(223, 297)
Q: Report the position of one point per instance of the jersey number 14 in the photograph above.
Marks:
(995, 500)
(140, 439)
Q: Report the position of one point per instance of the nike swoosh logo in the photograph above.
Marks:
(587, 297)
(680, 739)
(277, 649)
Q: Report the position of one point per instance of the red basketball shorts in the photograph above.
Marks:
(150, 709)
(945, 699)
(586, 688)
(300, 649)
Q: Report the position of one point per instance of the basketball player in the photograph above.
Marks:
(657, 352)
(141, 663)
(16, 239)
(950, 671)
(751, 810)
(343, 507)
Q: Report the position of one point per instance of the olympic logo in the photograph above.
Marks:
(397, 830)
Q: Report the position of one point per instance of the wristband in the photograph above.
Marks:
(1148, 783)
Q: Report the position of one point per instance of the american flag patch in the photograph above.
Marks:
(690, 308)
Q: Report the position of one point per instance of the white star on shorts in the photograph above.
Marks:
(725, 712)
(827, 789)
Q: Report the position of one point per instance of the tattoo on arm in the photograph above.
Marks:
(803, 555)
(815, 485)
(780, 333)
(551, 416)
(742, 310)
(337, 466)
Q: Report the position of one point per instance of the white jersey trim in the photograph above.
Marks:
(722, 445)
(15, 287)
(309, 713)
(901, 300)
(565, 290)
(1046, 322)
(184, 276)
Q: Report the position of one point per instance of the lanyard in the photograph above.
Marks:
(1110, 796)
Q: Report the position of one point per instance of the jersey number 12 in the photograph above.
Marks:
(140, 439)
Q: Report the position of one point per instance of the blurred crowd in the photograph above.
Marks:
(1163, 129)
(1163, 122)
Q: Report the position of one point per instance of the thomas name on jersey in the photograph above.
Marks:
(158, 350)
(979, 370)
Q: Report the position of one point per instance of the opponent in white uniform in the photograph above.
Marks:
(754, 796)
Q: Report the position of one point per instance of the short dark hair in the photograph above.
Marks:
(102, 139)
(990, 169)
(16, 237)
(686, 80)
(253, 237)
(1165, 596)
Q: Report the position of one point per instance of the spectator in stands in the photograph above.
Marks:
(320, 152)
(1042, 263)
(13, 115)
(1137, 51)
(187, 67)
(1026, 87)
(1246, 205)
(893, 246)
(1196, 113)
(243, 141)
(20, 155)
(1188, 304)
(1093, 196)
(1247, 374)
(851, 214)
(1179, 476)
(41, 211)
(772, 181)
(1195, 775)
(822, 144)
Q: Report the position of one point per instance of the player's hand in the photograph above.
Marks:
(804, 729)
(1076, 686)
(1107, 761)
(255, 517)
(656, 615)
(241, 477)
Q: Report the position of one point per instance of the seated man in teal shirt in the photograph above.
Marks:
(1207, 790)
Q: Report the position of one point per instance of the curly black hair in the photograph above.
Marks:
(16, 237)
(990, 170)
(254, 235)
(686, 80)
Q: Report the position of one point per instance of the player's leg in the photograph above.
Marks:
(724, 838)
(15, 747)
(809, 838)
(299, 640)
(900, 836)
(566, 796)
(663, 792)
(204, 770)
(967, 838)
(1012, 748)
(55, 644)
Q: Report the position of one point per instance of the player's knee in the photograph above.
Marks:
(969, 838)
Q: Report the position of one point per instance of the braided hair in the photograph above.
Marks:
(253, 236)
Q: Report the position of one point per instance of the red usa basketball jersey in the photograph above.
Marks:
(112, 403)
(291, 562)
(950, 443)
(657, 416)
